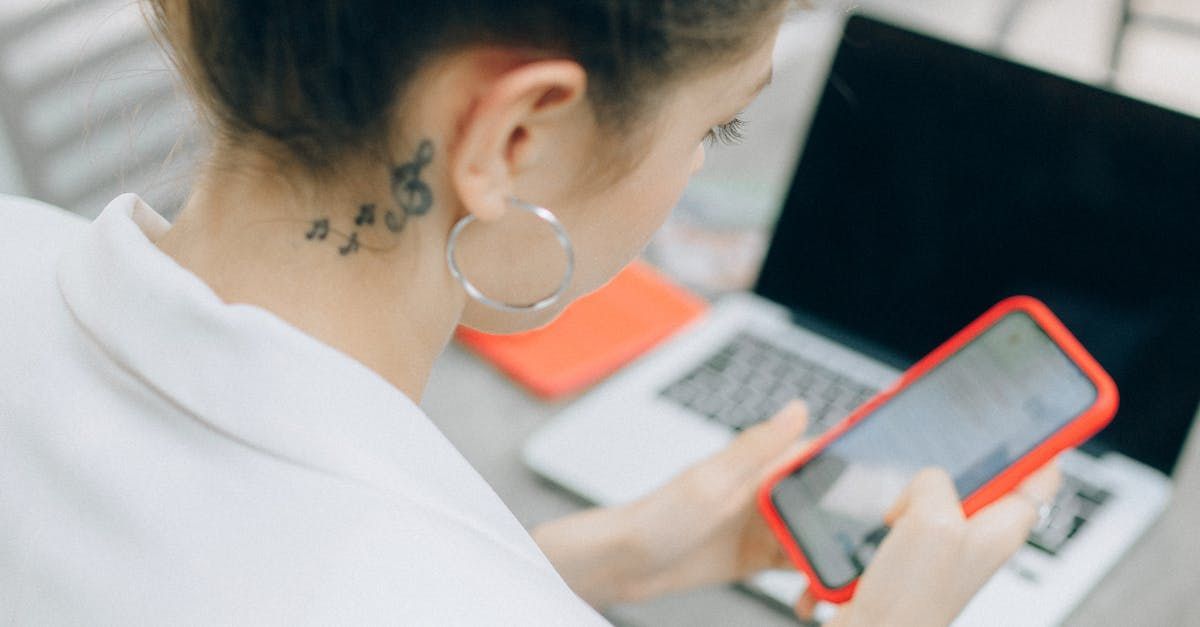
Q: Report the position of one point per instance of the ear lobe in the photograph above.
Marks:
(497, 134)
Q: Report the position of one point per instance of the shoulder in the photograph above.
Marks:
(32, 237)
(36, 213)
(30, 227)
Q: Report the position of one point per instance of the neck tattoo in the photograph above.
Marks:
(411, 196)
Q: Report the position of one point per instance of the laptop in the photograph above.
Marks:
(935, 181)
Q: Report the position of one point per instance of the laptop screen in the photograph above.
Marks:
(937, 180)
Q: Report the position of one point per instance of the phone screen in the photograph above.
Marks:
(974, 414)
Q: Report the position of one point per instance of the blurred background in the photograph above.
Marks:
(90, 109)
(88, 106)
(1146, 48)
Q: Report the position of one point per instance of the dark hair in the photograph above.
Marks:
(320, 77)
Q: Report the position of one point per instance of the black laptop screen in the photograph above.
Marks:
(936, 181)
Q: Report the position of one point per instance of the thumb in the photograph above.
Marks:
(763, 443)
(930, 494)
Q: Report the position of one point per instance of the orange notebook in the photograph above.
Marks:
(595, 336)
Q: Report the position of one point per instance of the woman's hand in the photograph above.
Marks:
(704, 528)
(934, 560)
(701, 528)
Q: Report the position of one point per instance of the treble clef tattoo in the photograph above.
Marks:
(412, 196)
(409, 191)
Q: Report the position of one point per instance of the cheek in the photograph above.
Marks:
(633, 212)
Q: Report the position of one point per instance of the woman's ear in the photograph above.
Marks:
(510, 125)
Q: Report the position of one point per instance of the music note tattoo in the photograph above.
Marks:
(409, 191)
(320, 229)
(351, 245)
(395, 221)
(366, 215)
(412, 195)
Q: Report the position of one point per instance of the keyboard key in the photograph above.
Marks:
(1074, 504)
(749, 380)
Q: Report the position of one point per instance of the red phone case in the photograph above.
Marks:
(1074, 433)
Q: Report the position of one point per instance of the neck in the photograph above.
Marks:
(258, 239)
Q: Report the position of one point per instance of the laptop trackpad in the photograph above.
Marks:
(629, 452)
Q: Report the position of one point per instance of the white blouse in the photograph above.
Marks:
(167, 458)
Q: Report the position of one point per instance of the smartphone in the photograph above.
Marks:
(990, 406)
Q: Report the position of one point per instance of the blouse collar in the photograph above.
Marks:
(252, 377)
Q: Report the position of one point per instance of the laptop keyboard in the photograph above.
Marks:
(748, 380)
(1074, 504)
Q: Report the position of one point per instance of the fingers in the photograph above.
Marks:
(763, 443)
(760, 548)
(1000, 528)
(1003, 526)
(1043, 484)
(785, 458)
(930, 495)
(806, 606)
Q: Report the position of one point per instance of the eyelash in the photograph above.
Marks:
(729, 133)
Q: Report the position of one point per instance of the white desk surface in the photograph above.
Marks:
(1158, 582)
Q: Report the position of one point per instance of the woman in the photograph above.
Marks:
(215, 421)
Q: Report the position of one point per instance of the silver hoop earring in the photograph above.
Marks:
(560, 233)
